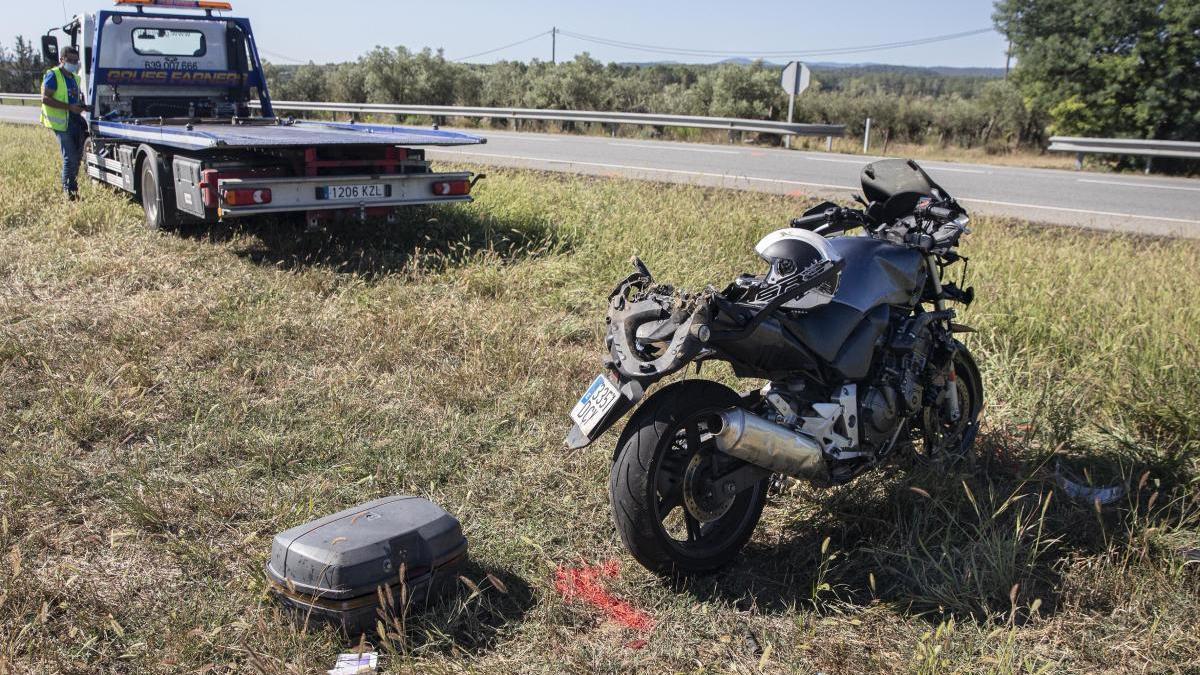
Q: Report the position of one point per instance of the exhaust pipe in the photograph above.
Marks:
(753, 439)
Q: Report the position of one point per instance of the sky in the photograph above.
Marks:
(340, 30)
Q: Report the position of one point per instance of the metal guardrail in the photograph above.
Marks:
(592, 116)
(1124, 146)
(732, 124)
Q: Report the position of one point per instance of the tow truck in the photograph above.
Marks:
(179, 115)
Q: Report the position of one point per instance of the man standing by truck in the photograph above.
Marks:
(62, 108)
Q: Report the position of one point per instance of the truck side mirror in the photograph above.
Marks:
(50, 49)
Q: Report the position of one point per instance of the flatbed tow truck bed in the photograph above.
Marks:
(285, 133)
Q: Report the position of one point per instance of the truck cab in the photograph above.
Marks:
(180, 115)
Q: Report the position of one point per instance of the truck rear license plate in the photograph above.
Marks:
(357, 192)
(595, 404)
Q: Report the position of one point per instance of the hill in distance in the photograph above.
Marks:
(945, 71)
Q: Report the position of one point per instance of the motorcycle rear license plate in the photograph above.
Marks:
(595, 404)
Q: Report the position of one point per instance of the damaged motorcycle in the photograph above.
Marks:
(852, 338)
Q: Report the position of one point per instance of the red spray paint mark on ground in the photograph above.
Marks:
(586, 585)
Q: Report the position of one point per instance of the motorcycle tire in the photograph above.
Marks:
(944, 441)
(650, 475)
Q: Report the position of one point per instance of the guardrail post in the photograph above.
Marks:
(1149, 164)
(1079, 161)
(867, 137)
(829, 144)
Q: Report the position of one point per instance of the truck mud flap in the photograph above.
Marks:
(188, 191)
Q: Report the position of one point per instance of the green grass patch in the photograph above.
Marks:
(169, 401)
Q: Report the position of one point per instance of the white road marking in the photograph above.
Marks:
(937, 167)
(865, 160)
(1091, 213)
(651, 169)
(668, 147)
(831, 159)
(779, 181)
(1138, 185)
(524, 137)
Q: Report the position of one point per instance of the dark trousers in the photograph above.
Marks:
(71, 143)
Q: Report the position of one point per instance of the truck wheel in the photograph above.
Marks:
(157, 195)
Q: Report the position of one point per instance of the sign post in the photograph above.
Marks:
(796, 77)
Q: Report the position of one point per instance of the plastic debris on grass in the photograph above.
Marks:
(586, 585)
(1082, 492)
(352, 664)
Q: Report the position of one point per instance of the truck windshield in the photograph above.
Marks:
(166, 42)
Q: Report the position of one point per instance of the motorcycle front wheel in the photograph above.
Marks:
(664, 505)
(939, 438)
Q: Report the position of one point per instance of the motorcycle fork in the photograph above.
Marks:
(939, 303)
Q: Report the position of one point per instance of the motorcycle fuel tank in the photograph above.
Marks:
(843, 333)
(877, 273)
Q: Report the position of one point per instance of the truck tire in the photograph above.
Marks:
(158, 194)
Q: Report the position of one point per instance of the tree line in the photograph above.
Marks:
(1109, 68)
(907, 104)
(21, 68)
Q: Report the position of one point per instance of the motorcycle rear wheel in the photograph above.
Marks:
(664, 515)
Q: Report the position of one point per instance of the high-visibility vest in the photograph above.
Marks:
(56, 118)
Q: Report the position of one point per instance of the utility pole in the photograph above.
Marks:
(1007, 55)
(554, 45)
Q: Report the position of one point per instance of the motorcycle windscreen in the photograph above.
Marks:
(894, 186)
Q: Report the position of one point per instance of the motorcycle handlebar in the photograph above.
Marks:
(941, 213)
(810, 222)
(840, 218)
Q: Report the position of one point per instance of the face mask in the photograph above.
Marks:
(71, 67)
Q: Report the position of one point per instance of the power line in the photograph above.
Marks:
(497, 49)
(682, 51)
(283, 57)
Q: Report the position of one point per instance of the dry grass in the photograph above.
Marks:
(169, 401)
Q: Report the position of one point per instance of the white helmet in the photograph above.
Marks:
(803, 265)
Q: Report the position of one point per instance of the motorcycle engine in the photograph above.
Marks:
(897, 394)
(880, 414)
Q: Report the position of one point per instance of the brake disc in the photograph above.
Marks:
(704, 500)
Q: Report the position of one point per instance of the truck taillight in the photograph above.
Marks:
(452, 188)
(208, 187)
(246, 196)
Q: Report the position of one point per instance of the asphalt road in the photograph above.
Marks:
(1132, 203)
